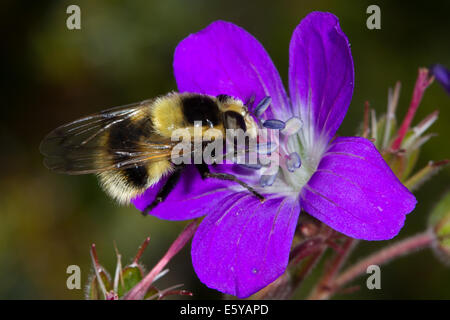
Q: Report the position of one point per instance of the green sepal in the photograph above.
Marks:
(131, 276)
(94, 292)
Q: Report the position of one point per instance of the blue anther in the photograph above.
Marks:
(267, 180)
(274, 124)
(293, 161)
(262, 106)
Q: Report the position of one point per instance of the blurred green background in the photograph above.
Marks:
(123, 53)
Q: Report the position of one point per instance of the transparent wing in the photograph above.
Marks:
(82, 147)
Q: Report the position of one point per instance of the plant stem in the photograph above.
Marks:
(325, 283)
(305, 270)
(305, 249)
(141, 250)
(139, 291)
(381, 257)
(98, 269)
(422, 82)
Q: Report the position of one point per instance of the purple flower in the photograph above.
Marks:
(242, 245)
(442, 75)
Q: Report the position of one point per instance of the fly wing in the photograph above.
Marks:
(82, 146)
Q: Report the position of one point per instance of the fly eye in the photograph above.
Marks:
(233, 120)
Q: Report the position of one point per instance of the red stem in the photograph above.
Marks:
(422, 82)
(141, 250)
(305, 249)
(325, 283)
(383, 256)
(94, 256)
(139, 291)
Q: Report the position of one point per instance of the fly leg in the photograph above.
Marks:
(164, 191)
(205, 173)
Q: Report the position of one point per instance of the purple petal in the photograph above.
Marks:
(355, 192)
(442, 75)
(244, 244)
(321, 75)
(225, 59)
(193, 196)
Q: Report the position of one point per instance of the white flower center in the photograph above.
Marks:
(295, 163)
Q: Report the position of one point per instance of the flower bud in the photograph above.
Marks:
(102, 287)
(94, 290)
(442, 75)
(131, 276)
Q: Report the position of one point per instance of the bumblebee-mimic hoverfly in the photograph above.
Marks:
(129, 147)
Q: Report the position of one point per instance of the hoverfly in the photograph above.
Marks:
(129, 147)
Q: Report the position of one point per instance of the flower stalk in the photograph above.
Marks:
(139, 291)
(422, 83)
(330, 284)
(129, 282)
(401, 248)
(335, 264)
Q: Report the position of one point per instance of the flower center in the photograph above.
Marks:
(290, 167)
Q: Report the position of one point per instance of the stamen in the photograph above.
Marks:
(267, 180)
(262, 106)
(293, 161)
(293, 125)
(267, 148)
(274, 124)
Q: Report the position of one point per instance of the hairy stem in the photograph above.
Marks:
(139, 291)
(422, 82)
(325, 283)
(381, 257)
